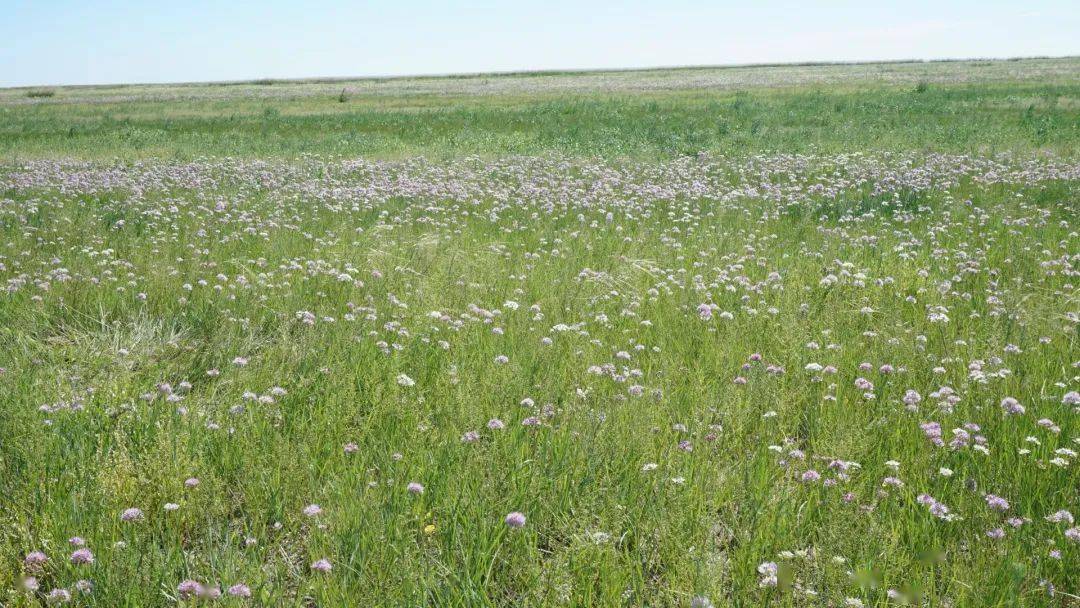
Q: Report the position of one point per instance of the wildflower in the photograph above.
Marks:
(892, 482)
(58, 596)
(705, 311)
(240, 590)
(132, 514)
(312, 510)
(188, 589)
(404, 380)
(322, 565)
(997, 503)
(1011, 406)
(515, 519)
(1060, 516)
(82, 556)
(768, 572)
(415, 488)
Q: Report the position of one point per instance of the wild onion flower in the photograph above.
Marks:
(188, 589)
(1060, 516)
(58, 596)
(35, 559)
(322, 565)
(1011, 406)
(82, 556)
(768, 572)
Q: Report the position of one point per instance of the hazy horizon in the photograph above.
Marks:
(552, 70)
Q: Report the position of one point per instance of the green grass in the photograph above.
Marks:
(856, 114)
(589, 229)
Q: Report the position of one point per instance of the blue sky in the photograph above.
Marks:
(117, 41)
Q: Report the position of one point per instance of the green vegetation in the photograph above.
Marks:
(801, 338)
(858, 114)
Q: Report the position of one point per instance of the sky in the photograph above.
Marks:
(56, 42)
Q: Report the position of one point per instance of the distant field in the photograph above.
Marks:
(980, 107)
(751, 336)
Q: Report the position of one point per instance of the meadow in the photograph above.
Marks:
(754, 336)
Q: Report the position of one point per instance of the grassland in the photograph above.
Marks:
(786, 336)
(1032, 106)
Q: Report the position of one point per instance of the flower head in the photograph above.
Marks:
(82, 556)
(240, 590)
(322, 565)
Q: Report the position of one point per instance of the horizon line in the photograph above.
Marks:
(535, 72)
